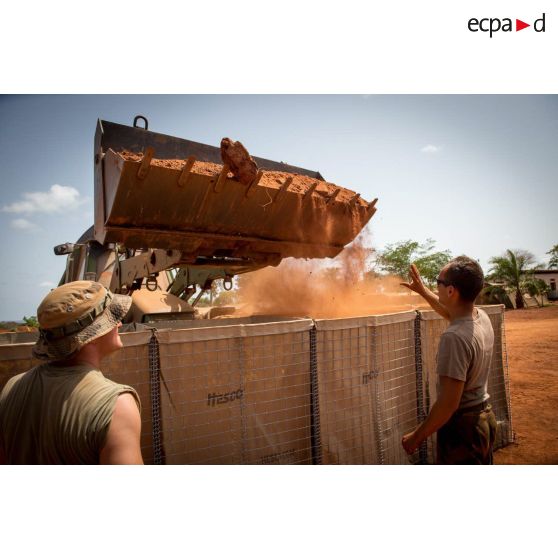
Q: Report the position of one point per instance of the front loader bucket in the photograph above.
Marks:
(197, 207)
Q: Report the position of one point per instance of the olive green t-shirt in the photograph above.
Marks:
(465, 353)
(57, 414)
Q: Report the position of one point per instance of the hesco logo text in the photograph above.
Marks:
(220, 398)
(277, 457)
(493, 25)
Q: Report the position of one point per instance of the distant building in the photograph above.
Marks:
(550, 277)
(500, 293)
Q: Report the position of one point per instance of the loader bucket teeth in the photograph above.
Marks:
(149, 196)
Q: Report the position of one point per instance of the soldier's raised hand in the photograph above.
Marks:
(416, 283)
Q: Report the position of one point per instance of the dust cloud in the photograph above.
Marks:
(339, 288)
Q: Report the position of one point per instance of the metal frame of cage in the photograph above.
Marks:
(297, 391)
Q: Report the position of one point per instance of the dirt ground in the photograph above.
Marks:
(532, 343)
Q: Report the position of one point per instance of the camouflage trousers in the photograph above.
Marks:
(468, 437)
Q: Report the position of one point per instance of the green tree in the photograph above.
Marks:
(31, 321)
(535, 287)
(553, 252)
(493, 294)
(397, 258)
(222, 296)
(512, 268)
(205, 300)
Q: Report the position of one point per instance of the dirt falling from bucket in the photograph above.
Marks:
(340, 288)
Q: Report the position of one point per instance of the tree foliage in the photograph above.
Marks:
(492, 293)
(553, 252)
(512, 268)
(226, 298)
(31, 321)
(397, 258)
(535, 287)
(222, 296)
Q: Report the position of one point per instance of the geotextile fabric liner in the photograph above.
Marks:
(131, 366)
(367, 385)
(339, 391)
(15, 359)
(237, 394)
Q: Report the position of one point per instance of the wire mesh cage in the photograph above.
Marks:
(15, 359)
(296, 391)
(237, 394)
(131, 366)
(367, 385)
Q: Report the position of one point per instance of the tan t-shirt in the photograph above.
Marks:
(57, 415)
(465, 353)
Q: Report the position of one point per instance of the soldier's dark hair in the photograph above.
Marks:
(466, 275)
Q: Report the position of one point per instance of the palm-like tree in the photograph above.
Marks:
(511, 268)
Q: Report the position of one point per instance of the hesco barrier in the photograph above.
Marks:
(339, 391)
(367, 385)
(237, 394)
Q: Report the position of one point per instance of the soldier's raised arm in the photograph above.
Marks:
(416, 285)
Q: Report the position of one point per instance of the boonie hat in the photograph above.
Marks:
(75, 314)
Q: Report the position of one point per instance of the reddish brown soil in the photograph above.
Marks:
(271, 179)
(236, 156)
(532, 342)
(340, 288)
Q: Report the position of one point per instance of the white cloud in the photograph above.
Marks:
(48, 284)
(431, 148)
(56, 200)
(23, 225)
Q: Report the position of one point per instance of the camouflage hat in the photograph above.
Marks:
(75, 314)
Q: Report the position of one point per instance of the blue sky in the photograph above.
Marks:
(477, 173)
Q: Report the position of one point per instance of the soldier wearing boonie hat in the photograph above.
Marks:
(65, 410)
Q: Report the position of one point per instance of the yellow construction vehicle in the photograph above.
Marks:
(170, 219)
